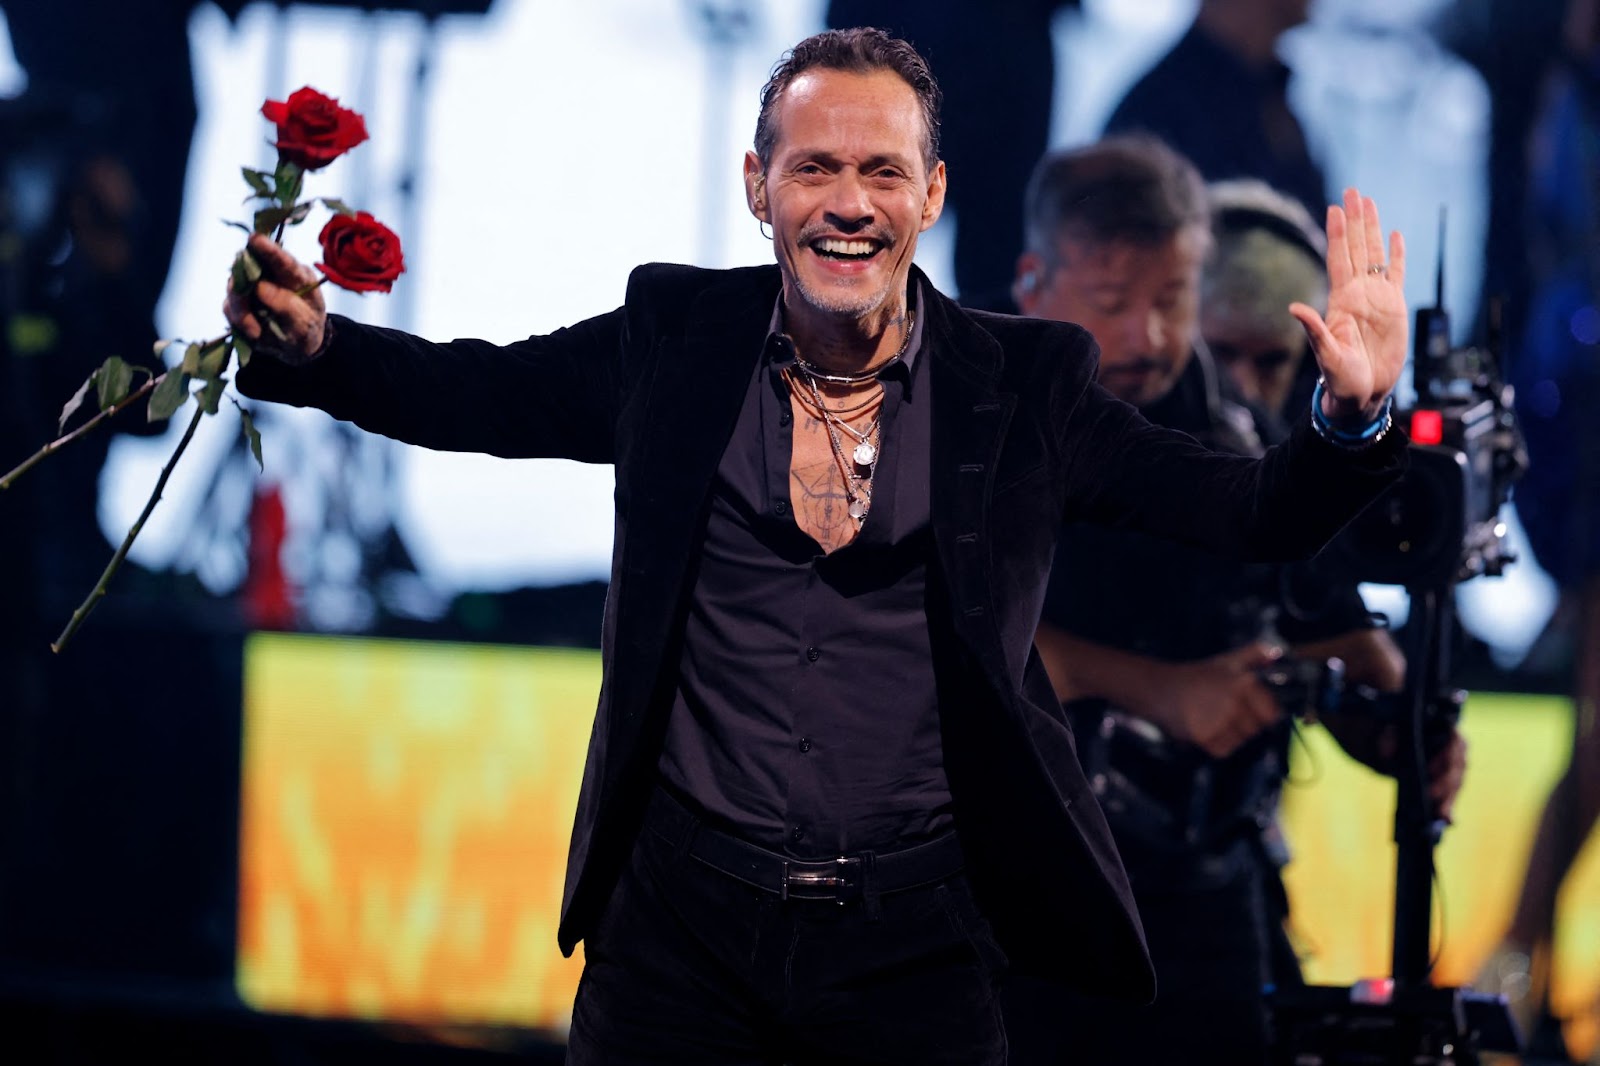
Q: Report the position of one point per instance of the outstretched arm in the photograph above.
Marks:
(551, 396)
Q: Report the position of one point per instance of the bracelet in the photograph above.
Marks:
(1360, 440)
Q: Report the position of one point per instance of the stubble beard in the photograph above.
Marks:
(855, 305)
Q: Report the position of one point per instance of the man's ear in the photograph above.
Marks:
(755, 188)
(1030, 276)
(933, 206)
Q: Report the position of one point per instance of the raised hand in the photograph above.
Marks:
(289, 293)
(1362, 343)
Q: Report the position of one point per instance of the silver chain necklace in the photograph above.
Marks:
(857, 487)
(856, 377)
(865, 455)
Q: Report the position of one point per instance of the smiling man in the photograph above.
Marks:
(829, 796)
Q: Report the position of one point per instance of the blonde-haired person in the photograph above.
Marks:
(1267, 253)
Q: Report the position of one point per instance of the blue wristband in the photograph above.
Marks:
(1366, 435)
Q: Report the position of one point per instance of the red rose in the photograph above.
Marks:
(313, 130)
(360, 253)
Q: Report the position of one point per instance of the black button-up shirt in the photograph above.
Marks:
(806, 717)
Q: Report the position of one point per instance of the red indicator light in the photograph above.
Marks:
(1427, 427)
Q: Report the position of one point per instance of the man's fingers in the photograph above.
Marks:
(1397, 259)
(1263, 706)
(278, 264)
(1372, 231)
(1322, 340)
(1447, 771)
(1355, 237)
(237, 311)
(275, 297)
(1254, 655)
(1340, 268)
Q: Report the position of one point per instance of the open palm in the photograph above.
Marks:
(1362, 341)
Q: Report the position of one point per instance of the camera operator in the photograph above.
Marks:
(1158, 652)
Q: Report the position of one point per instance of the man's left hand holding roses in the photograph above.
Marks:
(288, 292)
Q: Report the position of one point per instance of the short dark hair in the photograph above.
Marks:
(860, 50)
(1124, 188)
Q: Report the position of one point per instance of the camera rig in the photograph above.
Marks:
(1439, 525)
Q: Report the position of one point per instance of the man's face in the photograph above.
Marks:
(1139, 300)
(1262, 361)
(847, 190)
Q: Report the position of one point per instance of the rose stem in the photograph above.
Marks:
(99, 591)
(61, 442)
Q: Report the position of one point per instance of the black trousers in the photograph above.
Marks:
(1216, 940)
(689, 966)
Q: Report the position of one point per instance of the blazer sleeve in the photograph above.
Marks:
(1122, 470)
(554, 396)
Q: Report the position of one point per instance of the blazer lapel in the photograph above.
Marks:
(697, 389)
(971, 414)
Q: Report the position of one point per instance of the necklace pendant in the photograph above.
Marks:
(858, 509)
(864, 454)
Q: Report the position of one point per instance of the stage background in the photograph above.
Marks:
(406, 810)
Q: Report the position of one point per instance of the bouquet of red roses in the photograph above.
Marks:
(359, 253)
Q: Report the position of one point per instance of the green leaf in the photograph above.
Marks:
(269, 218)
(243, 349)
(288, 178)
(114, 380)
(76, 401)
(212, 394)
(246, 272)
(169, 395)
(160, 347)
(298, 215)
(338, 205)
(191, 360)
(253, 435)
(237, 225)
(212, 362)
(260, 181)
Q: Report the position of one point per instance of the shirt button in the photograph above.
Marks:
(813, 654)
(797, 834)
(781, 507)
(805, 744)
(785, 418)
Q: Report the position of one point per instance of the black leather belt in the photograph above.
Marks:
(838, 879)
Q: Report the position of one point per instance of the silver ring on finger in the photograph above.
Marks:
(1378, 268)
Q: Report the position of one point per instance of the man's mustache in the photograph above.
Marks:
(881, 234)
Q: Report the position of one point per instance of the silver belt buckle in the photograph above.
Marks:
(818, 879)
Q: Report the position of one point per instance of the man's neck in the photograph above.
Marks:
(1245, 33)
(847, 344)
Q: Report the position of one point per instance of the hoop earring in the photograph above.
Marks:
(762, 227)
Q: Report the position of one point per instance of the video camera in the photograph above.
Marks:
(1441, 523)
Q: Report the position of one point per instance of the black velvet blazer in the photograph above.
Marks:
(1023, 439)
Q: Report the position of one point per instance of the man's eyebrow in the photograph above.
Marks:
(828, 156)
(888, 159)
